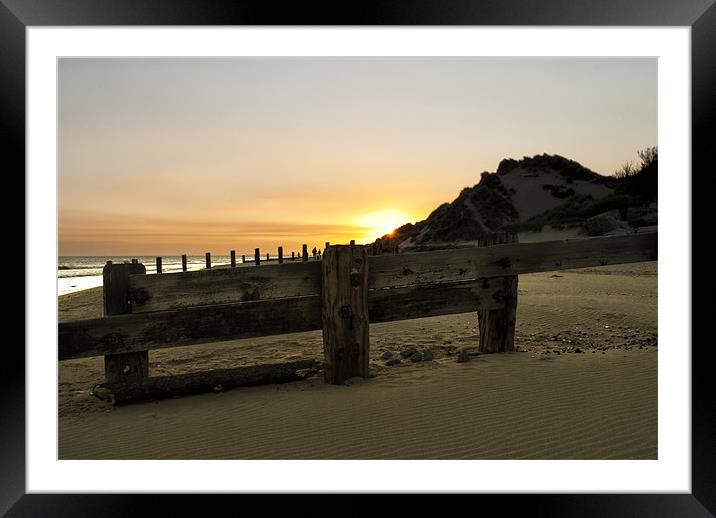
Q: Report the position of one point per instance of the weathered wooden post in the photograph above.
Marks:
(233, 258)
(243, 258)
(115, 294)
(293, 256)
(280, 255)
(497, 327)
(344, 304)
(353, 242)
(183, 262)
(257, 256)
(267, 257)
(208, 261)
(304, 253)
(159, 265)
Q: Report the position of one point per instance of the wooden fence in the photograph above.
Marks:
(342, 295)
(257, 257)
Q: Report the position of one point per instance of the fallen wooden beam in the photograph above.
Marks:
(219, 380)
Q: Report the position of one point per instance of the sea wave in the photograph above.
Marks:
(87, 272)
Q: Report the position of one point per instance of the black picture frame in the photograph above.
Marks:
(700, 15)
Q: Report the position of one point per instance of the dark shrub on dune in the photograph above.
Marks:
(487, 207)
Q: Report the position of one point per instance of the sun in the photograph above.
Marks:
(382, 222)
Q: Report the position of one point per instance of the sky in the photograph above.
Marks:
(162, 156)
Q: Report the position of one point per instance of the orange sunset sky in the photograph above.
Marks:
(171, 156)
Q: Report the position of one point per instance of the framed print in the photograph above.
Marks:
(424, 241)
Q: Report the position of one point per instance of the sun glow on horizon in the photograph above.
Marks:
(382, 222)
(168, 156)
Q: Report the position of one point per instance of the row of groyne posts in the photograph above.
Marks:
(303, 256)
(494, 239)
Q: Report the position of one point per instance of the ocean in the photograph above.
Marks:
(81, 273)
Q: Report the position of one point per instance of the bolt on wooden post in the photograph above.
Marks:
(344, 310)
(115, 294)
(497, 326)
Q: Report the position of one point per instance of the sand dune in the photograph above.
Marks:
(543, 402)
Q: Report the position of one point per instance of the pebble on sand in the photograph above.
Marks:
(462, 356)
(405, 353)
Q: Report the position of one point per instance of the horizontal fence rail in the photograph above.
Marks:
(146, 331)
(223, 286)
(509, 259)
(189, 308)
(204, 324)
(227, 285)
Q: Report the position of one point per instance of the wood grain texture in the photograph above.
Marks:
(497, 326)
(344, 309)
(223, 286)
(115, 282)
(115, 294)
(196, 325)
(262, 318)
(218, 380)
(430, 300)
(120, 367)
(509, 259)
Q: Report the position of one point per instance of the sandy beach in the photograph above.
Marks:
(583, 385)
